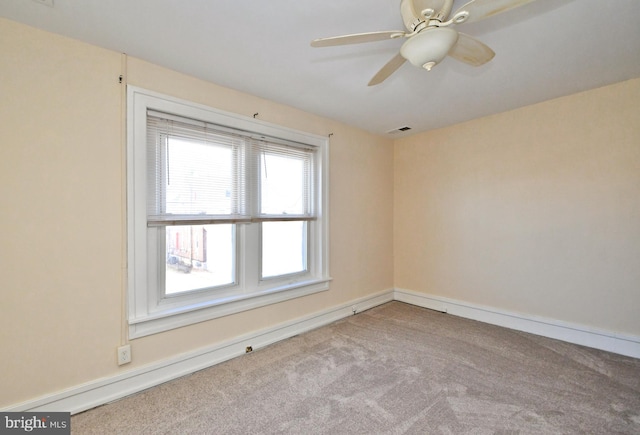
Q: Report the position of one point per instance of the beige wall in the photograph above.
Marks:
(62, 183)
(534, 211)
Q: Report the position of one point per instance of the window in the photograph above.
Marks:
(225, 213)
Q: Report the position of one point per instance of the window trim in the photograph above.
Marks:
(146, 314)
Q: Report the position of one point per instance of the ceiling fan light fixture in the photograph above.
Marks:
(429, 47)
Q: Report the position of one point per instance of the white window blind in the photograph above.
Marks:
(201, 173)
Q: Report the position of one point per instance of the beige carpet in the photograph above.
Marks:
(391, 370)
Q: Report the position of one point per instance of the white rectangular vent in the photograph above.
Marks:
(399, 130)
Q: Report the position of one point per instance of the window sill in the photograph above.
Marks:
(187, 315)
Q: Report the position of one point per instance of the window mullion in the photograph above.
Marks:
(250, 256)
(250, 253)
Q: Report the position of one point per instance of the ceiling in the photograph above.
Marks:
(545, 49)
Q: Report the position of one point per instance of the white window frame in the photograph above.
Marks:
(150, 313)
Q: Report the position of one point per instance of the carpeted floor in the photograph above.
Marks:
(394, 369)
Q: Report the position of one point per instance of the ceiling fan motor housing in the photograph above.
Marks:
(411, 11)
(429, 47)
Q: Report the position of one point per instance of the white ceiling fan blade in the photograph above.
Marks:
(356, 38)
(391, 67)
(471, 51)
(481, 9)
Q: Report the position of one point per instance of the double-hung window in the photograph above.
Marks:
(225, 213)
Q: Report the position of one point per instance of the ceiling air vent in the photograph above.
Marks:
(399, 130)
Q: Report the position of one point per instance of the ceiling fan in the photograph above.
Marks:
(431, 37)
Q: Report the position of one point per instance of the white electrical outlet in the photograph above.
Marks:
(124, 354)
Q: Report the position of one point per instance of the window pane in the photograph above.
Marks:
(198, 177)
(282, 184)
(199, 256)
(284, 248)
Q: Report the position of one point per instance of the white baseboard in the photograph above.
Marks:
(108, 389)
(578, 334)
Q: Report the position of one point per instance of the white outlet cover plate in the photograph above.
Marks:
(124, 354)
